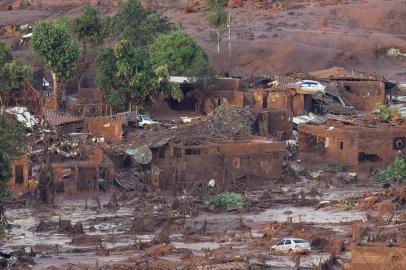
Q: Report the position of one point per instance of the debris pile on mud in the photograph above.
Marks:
(232, 121)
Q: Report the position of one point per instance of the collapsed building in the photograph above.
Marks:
(361, 91)
(358, 144)
(226, 148)
(192, 163)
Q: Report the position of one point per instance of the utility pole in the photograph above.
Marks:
(229, 40)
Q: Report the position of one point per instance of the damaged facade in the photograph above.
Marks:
(192, 163)
(358, 145)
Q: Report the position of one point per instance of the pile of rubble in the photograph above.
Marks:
(232, 121)
(227, 122)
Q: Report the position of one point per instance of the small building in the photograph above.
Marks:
(20, 170)
(359, 145)
(192, 163)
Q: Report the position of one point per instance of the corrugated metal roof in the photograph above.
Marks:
(56, 118)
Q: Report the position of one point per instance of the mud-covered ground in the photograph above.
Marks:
(184, 231)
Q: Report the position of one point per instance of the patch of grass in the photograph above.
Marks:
(334, 165)
(310, 169)
(227, 199)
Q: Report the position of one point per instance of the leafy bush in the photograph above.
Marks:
(396, 170)
(227, 199)
(387, 112)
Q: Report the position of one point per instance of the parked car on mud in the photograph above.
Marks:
(291, 245)
(146, 120)
(307, 87)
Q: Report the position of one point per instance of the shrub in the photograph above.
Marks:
(387, 112)
(227, 199)
(395, 171)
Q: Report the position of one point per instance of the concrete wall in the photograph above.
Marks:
(218, 98)
(108, 127)
(363, 95)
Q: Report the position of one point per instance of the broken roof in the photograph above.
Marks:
(227, 122)
(56, 118)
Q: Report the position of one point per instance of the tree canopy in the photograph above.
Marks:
(13, 74)
(217, 14)
(57, 50)
(137, 24)
(53, 44)
(180, 53)
(126, 77)
(89, 28)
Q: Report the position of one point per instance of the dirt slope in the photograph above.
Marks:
(309, 36)
(286, 37)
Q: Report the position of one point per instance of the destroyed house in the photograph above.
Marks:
(357, 89)
(362, 94)
(192, 163)
(83, 174)
(225, 147)
(360, 146)
(63, 123)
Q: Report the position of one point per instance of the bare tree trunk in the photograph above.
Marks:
(229, 42)
(218, 48)
(56, 93)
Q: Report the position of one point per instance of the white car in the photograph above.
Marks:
(145, 120)
(308, 87)
(291, 245)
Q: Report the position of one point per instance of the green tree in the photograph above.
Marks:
(58, 51)
(11, 144)
(180, 53)
(127, 79)
(5, 54)
(90, 31)
(14, 75)
(138, 24)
